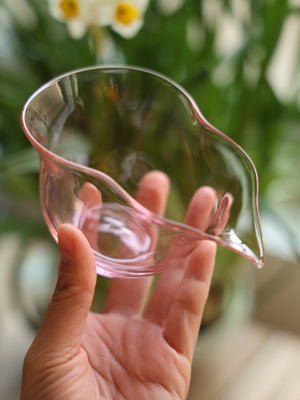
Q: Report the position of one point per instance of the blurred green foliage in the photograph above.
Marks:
(222, 52)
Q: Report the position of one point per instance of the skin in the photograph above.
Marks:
(132, 350)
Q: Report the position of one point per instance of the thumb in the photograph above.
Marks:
(64, 321)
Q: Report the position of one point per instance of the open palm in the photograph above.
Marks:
(141, 347)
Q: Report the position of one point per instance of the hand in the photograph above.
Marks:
(122, 353)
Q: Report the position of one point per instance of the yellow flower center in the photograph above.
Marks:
(126, 13)
(69, 8)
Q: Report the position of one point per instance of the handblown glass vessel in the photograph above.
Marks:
(99, 130)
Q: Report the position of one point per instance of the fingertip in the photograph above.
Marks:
(153, 191)
(90, 195)
(205, 194)
(210, 191)
(76, 252)
(201, 207)
(155, 179)
(159, 177)
(155, 173)
(201, 263)
(66, 242)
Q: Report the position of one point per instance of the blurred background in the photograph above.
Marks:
(240, 60)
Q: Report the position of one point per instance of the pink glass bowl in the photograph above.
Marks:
(99, 130)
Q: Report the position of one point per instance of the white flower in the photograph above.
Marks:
(21, 10)
(78, 14)
(124, 17)
(169, 7)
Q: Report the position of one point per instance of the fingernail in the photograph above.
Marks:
(65, 244)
